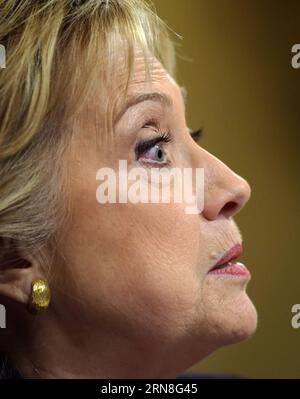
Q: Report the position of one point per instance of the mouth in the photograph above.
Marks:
(227, 264)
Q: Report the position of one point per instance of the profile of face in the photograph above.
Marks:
(134, 288)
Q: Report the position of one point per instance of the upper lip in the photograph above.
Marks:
(231, 254)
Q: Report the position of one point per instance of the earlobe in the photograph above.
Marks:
(15, 284)
(17, 271)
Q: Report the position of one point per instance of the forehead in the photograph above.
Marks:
(158, 82)
(113, 98)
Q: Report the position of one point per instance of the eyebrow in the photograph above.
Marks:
(159, 97)
(138, 98)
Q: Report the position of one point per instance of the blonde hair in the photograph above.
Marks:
(54, 49)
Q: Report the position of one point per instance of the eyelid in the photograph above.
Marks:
(153, 123)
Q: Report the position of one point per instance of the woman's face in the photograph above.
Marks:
(133, 283)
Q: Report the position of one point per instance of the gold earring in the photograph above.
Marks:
(40, 296)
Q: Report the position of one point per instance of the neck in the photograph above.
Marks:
(69, 348)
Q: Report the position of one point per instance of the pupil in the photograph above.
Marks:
(159, 154)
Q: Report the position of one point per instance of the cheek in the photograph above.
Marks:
(159, 268)
(134, 266)
(138, 260)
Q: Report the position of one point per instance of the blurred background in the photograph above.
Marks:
(235, 61)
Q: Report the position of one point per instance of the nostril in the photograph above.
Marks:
(229, 208)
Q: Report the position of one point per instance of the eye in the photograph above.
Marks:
(156, 153)
(152, 150)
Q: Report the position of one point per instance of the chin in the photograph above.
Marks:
(239, 322)
(230, 318)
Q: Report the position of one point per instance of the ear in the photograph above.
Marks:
(17, 270)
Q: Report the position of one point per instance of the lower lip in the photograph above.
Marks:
(232, 269)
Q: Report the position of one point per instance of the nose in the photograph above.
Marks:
(225, 192)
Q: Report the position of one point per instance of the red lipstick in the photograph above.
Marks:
(226, 266)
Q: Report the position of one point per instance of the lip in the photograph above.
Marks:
(225, 266)
(231, 254)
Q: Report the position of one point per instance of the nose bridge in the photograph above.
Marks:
(225, 192)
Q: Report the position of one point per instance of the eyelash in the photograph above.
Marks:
(162, 137)
(196, 134)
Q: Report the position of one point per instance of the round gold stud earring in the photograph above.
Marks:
(40, 296)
